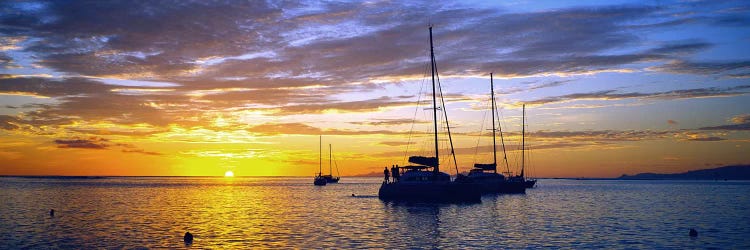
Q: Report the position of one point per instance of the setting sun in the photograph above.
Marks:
(228, 173)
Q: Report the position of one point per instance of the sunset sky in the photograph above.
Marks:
(199, 88)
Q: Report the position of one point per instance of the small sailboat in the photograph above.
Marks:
(486, 175)
(424, 181)
(319, 179)
(329, 177)
(528, 182)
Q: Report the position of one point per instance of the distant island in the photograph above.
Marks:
(738, 172)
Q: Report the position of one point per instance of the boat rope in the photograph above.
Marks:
(479, 138)
(336, 165)
(445, 113)
(502, 140)
(414, 119)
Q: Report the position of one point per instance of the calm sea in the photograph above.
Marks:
(155, 212)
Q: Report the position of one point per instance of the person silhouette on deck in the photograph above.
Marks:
(386, 173)
(394, 173)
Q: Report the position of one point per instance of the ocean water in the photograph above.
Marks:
(155, 212)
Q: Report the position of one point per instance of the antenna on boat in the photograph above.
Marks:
(436, 169)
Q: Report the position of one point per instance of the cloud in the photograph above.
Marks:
(740, 122)
(388, 122)
(704, 68)
(711, 138)
(91, 143)
(394, 143)
(681, 48)
(672, 122)
(666, 95)
(128, 38)
(8, 122)
(602, 135)
(6, 61)
(333, 42)
(140, 151)
(52, 87)
(304, 129)
(740, 119)
(100, 143)
(296, 58)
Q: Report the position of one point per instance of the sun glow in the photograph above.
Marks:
(229, 173)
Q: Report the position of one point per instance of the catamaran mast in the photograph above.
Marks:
(436, 169)
(494, 147)
(320, 155)
(330, 170)
(523, 139)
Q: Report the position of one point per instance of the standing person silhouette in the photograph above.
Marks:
(394, 173)
(386, 173)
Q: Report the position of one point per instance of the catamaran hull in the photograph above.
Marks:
(430, 192)
(530, 183)
(331, 179)
(501, 187)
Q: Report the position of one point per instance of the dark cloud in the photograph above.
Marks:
(100, 38)
(353, 106)
(739, 119)
(140, 151)
(549, 84)
(100, 143)
(167, 39)
(91, 143)
(52, 87)
(681, 48)
(394, 143)
(8, 122)
(304, 129)
(674, 94)
(602, 135)
(712, 138)
(740, 122)
(388, 122)
(6, 61)
(293, 58)
(704, 68)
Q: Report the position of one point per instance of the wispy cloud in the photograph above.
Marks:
(740, 122)
(666, 95)
(91, 143)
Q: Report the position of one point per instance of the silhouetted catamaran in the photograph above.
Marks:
(485, 175)
(418, 184)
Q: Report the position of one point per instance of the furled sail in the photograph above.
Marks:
(488, 166)
(423, 160)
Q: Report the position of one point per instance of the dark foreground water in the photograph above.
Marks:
(292, 213)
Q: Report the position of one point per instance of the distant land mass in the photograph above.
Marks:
(738, 172)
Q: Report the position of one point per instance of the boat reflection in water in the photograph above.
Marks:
(424, 181)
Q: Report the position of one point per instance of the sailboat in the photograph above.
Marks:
(530, 182)
(486, 175)
(319, 179)
(329, 177)
(418, 182)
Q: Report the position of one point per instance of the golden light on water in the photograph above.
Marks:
(229, 173)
